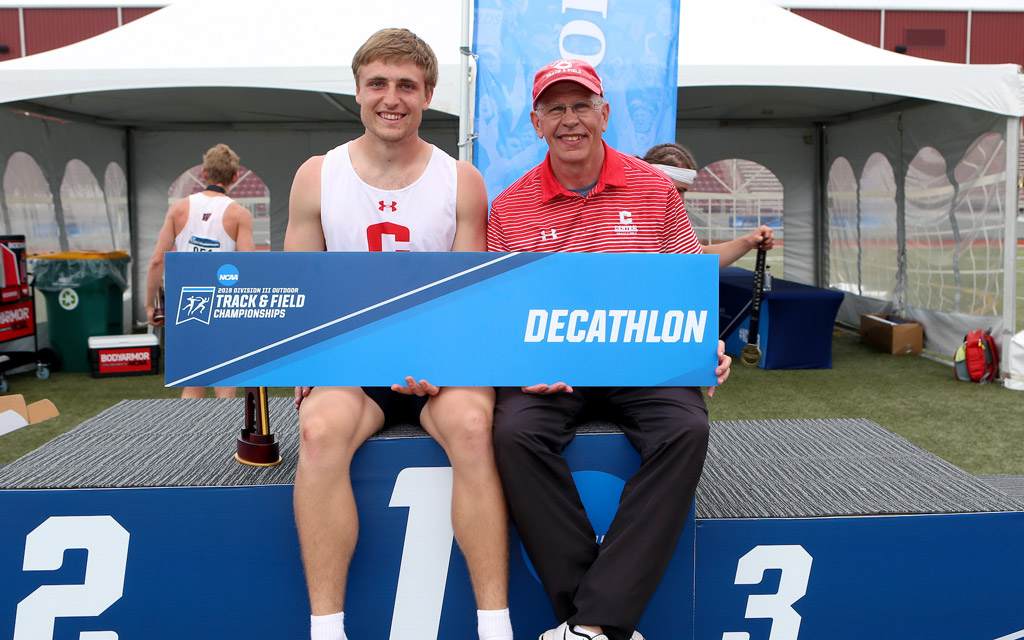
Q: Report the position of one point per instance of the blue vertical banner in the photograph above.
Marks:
(633, 45)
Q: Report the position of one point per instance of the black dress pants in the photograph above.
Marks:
(607, 585)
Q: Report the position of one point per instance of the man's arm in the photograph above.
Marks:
(470, 210)
(164, 243)
(731, 251)
(305, 231)
(241, 220)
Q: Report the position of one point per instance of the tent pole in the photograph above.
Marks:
(1012, 146)
(465, 142)
(134, 247)
(821, 239)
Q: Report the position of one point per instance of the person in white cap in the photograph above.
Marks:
(676, 162)
(586, 196)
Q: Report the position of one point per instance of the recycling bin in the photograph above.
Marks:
(83, 293)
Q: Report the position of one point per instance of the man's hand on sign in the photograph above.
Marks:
(300, 393)
(723, 369)
(545, 389)
(413, 388)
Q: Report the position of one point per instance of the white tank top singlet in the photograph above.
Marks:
(204, 230)
(359, 217)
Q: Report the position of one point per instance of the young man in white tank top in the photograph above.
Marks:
(205, 221)
(389, 190)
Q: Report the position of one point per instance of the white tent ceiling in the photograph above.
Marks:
(807, 72)
(231, 61)
(259, 61)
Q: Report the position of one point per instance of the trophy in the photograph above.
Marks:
(158, 306)
(256, 445)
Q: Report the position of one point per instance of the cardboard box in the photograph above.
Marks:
(15, 414)
(891, 334)
(131, 355)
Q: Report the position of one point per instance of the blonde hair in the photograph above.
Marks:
(221, 164)
(398, 46)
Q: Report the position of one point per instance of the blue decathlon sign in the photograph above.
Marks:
(464, 319)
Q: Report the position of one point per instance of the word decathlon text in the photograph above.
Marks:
(615, 325)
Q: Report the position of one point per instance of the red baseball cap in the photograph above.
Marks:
(568, 70)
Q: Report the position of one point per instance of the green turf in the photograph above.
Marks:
(979, 428)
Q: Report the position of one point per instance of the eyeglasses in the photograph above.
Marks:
(581, 108)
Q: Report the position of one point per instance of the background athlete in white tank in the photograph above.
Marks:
(395, 75)
(204, 228)
(205, 221)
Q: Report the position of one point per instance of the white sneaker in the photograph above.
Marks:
(563, 632)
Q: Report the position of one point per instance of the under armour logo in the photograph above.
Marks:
(393, 205)
(544, 234)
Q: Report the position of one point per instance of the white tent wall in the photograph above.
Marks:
(52, 144)
(790, 152)
(900, 136)
(159, 157)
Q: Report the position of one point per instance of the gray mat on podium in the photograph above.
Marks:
(754, 469)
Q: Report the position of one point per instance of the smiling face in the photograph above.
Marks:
(574, 139)
(392, 98)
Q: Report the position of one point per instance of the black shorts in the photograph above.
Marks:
(398, 408)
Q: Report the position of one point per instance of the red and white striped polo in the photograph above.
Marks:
(632, 208)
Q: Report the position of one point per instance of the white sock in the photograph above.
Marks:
(494, 624)
(329, 627)
(583, 633)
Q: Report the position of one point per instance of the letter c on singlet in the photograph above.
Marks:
(375, 235)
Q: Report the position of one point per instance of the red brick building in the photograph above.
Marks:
(978, 32)
(33, 27)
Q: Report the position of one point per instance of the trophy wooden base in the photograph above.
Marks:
(257, 450)
(256, 445)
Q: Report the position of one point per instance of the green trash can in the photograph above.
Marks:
(84, 293)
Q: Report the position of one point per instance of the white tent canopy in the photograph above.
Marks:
(186, 62)
(273, 80)
(760, 45)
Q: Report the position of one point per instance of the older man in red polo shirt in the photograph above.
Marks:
(586, 196)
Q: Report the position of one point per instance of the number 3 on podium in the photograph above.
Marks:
(795, 564)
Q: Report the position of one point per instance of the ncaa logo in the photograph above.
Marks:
(227, 275)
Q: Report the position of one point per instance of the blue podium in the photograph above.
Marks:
(804, 529)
